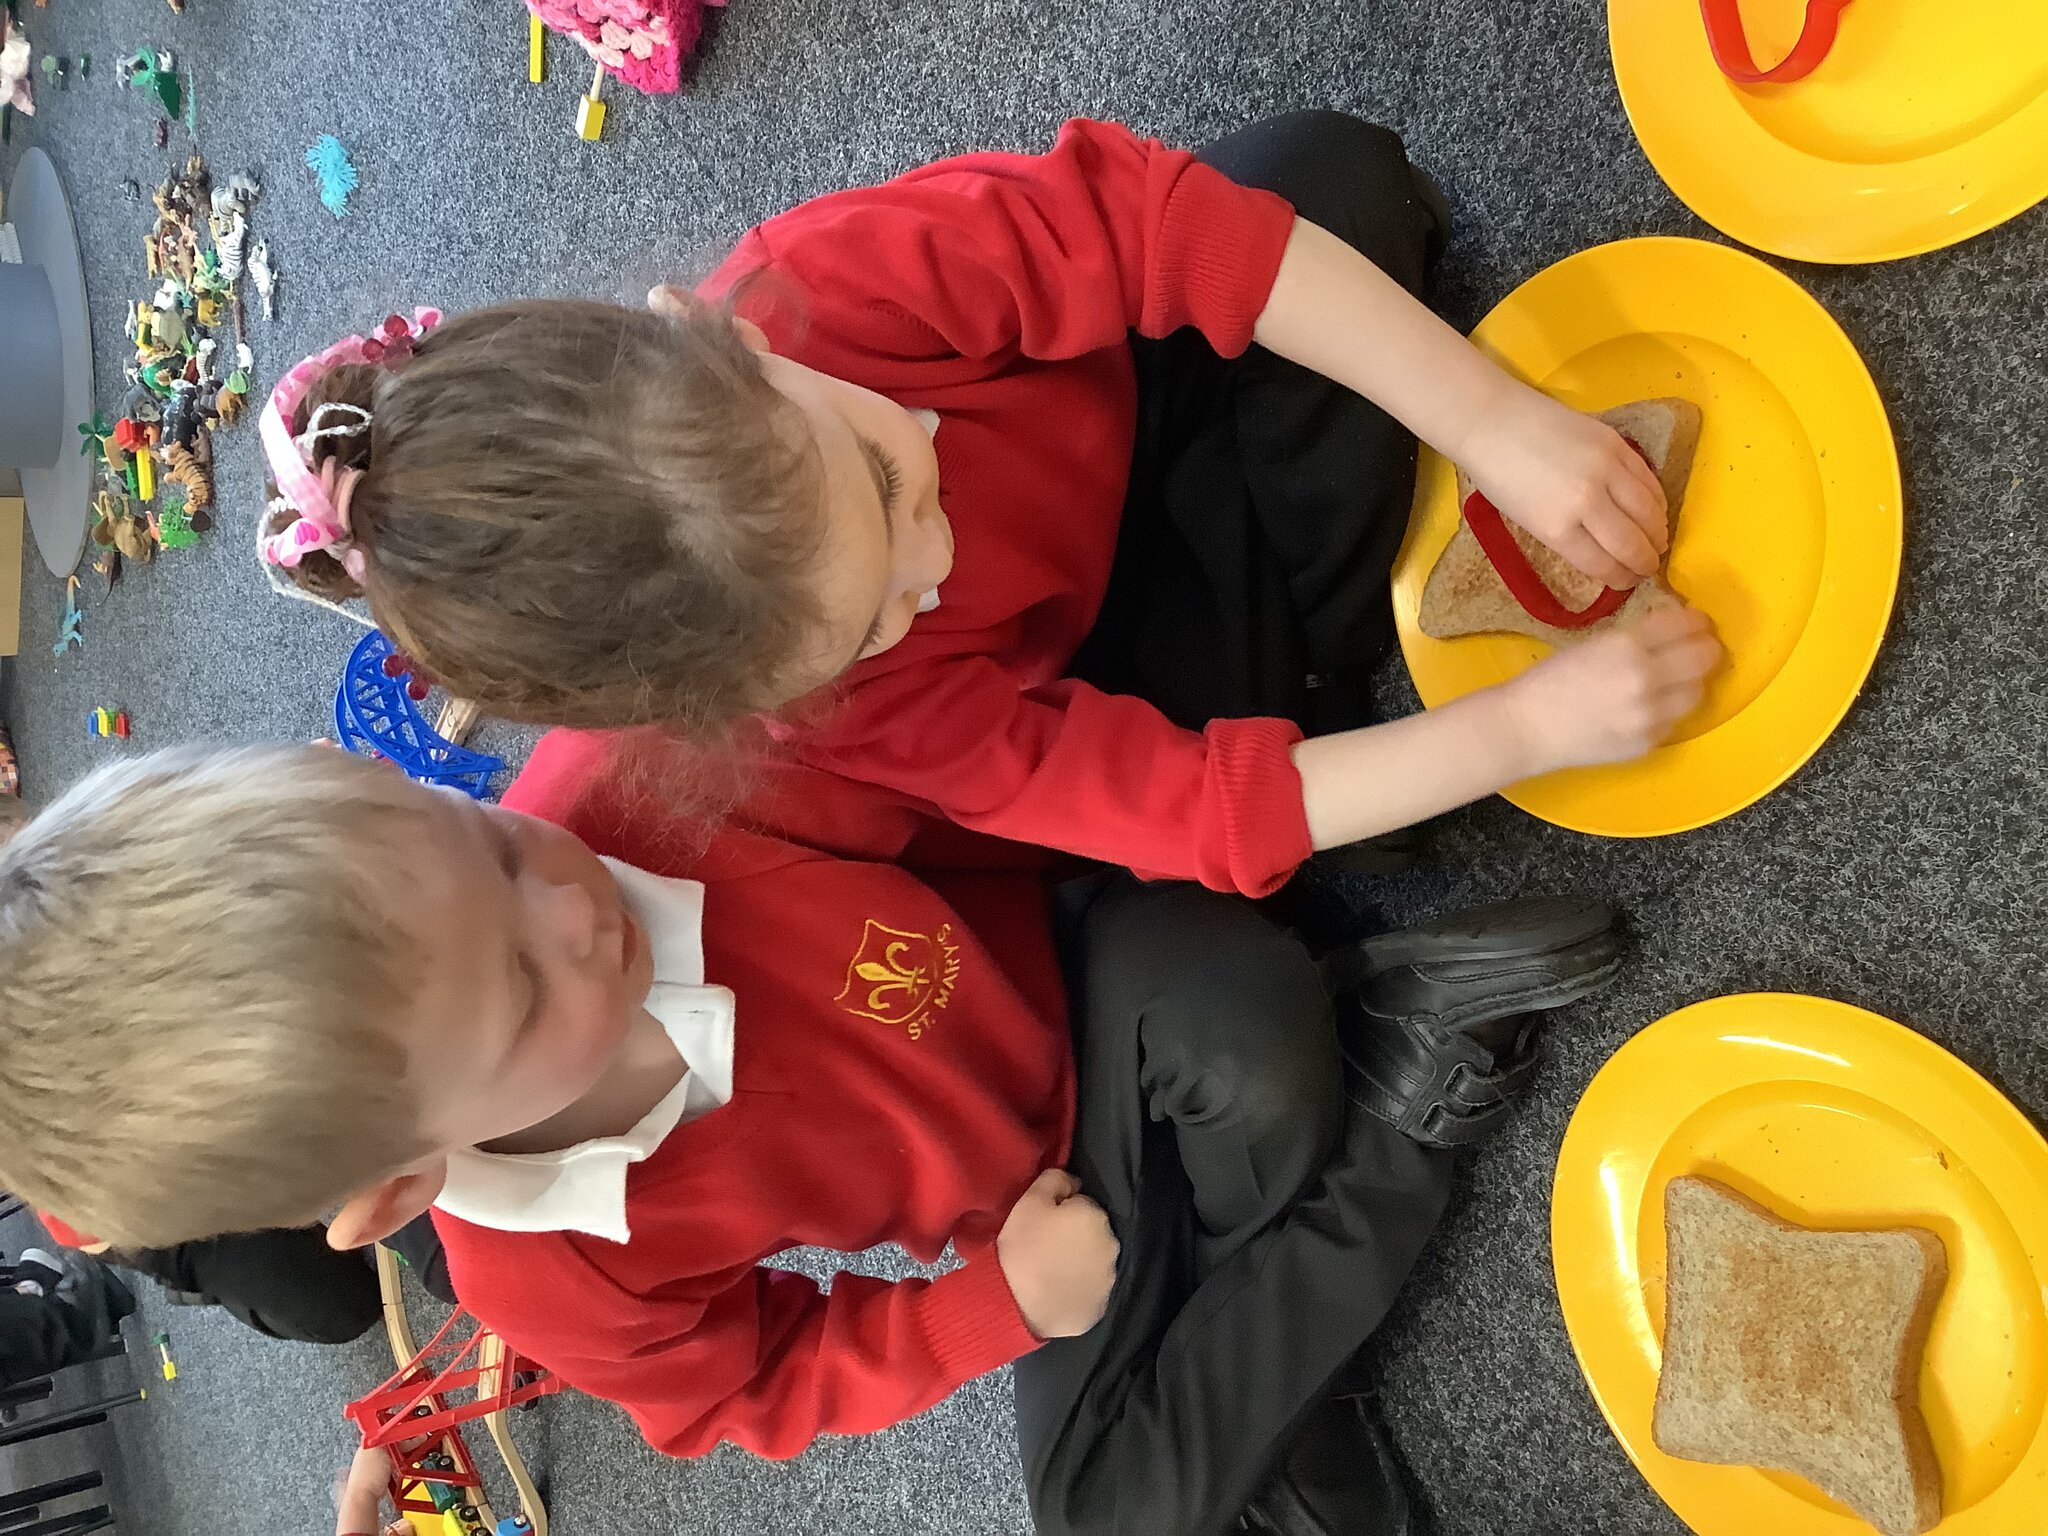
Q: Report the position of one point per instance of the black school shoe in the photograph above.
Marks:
(1341, 1478)
(1438, 1023)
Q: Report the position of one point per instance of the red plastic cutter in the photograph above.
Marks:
(1730, 42)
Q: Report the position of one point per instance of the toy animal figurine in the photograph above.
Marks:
(167, 319)
(264, 276)
(138, 404)
(196, 185)
(156, 74)
(160, 371)
(70, 636)
(183, 467)
(185, 416)
(116, 527)
(230, 224)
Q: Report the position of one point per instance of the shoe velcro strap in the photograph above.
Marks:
(1465, 1096)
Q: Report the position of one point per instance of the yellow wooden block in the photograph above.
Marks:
(145, 475)
(536, 49)
(589, 118)
(12, 510)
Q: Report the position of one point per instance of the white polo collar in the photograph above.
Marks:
(583, 1188)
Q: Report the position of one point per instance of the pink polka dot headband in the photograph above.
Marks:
(320, 501)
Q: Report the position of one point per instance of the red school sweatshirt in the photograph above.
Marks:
(1000, 291)
(901, 1072)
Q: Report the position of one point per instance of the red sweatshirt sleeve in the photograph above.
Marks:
(991, 257)
(767, 1361)
(1067, 766)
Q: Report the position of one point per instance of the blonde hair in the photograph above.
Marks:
(199, 972)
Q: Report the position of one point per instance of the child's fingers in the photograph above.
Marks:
(1679, 700)
(1697, 657)
(1645, 476)
(1580, 548)
(1672, 626)
(1645, 508)
(1055, 1184)
(1629, 546)
(1638, 469)
(1687, 663)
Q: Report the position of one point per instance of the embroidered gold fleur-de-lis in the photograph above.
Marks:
(892, 973)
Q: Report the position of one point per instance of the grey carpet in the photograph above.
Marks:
(1899, 870)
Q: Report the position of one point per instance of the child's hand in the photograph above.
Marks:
(1617, 696)
(360, 1492)
(1575, 483)
(1059, 1256)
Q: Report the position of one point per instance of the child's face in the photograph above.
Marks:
(531, 970)
(887, 542)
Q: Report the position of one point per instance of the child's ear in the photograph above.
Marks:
(680, 304)
(377, 1212)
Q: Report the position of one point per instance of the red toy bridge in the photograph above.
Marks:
(411, 1416)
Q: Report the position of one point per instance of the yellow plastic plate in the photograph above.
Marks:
(1835, 1118)
(1927, 122)
(1789, 538)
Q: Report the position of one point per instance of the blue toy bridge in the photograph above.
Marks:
(375, 716)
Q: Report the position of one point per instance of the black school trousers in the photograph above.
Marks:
(286, 1282)
(1266, 1223)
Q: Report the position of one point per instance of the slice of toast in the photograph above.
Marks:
(1465, 595)
(1800, 1350)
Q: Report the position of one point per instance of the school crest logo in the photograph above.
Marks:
(901, 979)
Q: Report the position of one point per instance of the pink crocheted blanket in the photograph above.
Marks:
(645, 43)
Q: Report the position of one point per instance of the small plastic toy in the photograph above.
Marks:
(107, 722)
(95, 434)
(160, 450)
(377, 713)
(156, 74)
(228, 220)
(264, 276)
(70, 634)
(536, 50)
(162, 1342)
(590, 110)
(329, 161)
